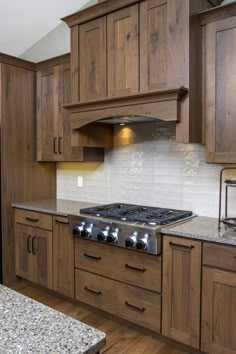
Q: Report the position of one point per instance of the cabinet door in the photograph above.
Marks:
(42, 253)
(220, 91)
(218, 312)
(153, 45)
(63, 257)
(48, 108)
(181, 290)
(123, 52)
(23, 251)
(92, 52)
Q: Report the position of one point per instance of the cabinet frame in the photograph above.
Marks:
(190, 335)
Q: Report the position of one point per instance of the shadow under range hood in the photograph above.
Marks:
(145, 107)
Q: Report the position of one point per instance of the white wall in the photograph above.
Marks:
(147, 167)
(55, 43)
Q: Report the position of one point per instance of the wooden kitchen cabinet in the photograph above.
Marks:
(55, 138)
(63, 257)
(219, 107)
(33, 250)
(92, 52)
(181, 290)
(218, 311)
(123, 51)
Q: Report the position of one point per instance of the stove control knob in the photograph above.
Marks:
(102, 235)
(77, 229)
(112, 236)
(87, 231)
(142, 243)
(131, 240)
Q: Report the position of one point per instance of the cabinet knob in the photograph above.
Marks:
(55, 145)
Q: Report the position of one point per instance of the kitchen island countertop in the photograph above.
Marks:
(27, 326)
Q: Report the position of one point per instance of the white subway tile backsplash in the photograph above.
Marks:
(148, 167)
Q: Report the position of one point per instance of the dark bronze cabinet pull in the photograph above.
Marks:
(182, 246)
(97, 292)
(31, 220)
(28, 244)
(62, 222)
(59, 145)
(137, 269)
(55, 145)
(92, 257)
(140, 309)
(33, 245)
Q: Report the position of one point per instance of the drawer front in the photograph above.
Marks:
(219, 256)
(136, 268)
(126, 301)
(43, 221)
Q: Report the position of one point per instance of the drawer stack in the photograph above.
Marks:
(123, 282)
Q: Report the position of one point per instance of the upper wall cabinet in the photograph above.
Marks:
(219, 33)
(138, 55)
(123, 51)
(55, 140)
(92, 51)
(153, 45)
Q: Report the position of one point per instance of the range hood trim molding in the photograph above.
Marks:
(162, 105)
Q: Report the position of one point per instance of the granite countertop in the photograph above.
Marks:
(199, 227)
(27, 326)
(61, 207)
(202, 228)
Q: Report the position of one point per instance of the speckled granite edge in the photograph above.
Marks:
(27, 326)
(60, 207)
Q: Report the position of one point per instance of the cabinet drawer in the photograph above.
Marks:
(219, 256)
(136, 268)
(129, 302)
(43, 221)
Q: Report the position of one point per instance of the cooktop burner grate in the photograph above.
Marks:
(137, 213)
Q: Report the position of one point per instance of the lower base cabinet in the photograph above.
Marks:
(63, 257)
(181, 290)
(218, 312)
(134, 304)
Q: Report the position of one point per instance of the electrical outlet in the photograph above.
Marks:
(80, 181)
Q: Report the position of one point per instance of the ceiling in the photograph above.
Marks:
(25, 22)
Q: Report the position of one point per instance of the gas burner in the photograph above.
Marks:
(138, 213)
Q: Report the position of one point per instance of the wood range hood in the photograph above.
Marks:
(146, 107)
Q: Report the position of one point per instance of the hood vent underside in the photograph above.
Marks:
(155, 106)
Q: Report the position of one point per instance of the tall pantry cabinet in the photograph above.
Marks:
(22, 178)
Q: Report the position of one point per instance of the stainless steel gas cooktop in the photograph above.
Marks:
(126, 225)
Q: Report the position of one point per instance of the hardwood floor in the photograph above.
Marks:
(121, 339)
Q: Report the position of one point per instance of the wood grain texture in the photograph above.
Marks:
(33, 252)
(218, 312)
(22, 178)
(181, 290)
(163, 105)
(75, 73)
(153, 45)
(119, 299)
(63, 257)
(220, 85)
(49, 63)
(31, 218)
(20, 63)
(123, 52)
(219, 256)
(93, 57)
(123, 259)
(42, 268)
